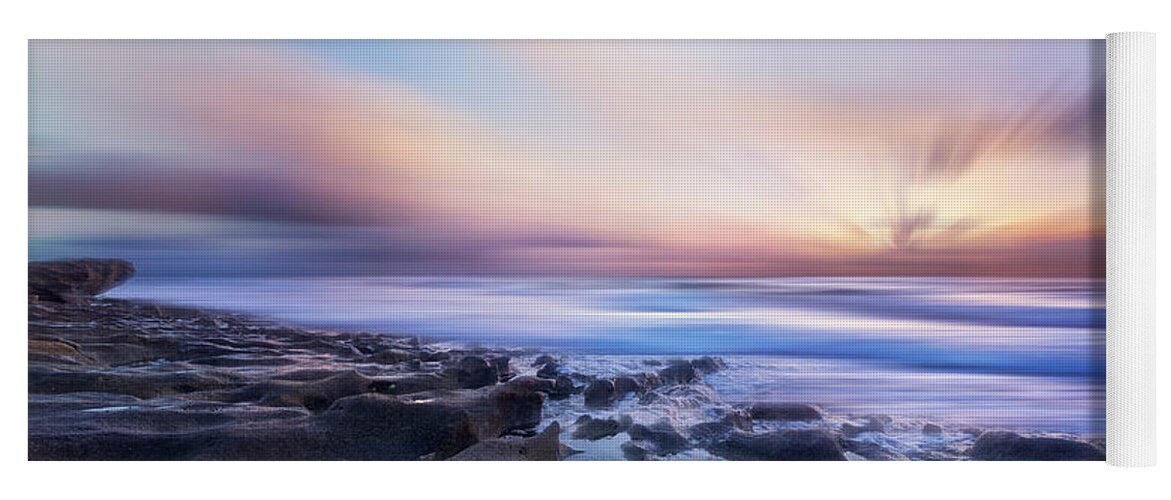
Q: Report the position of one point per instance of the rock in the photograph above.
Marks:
(706, 433)
(787, 412)
(682, 396)
(594, 429)
(563, 388)
(389, 357)
(382, 428)
(1002, 445)
(418, 382)
(503, 366)
(635, 451)
(520, 402)
(652, 362)
(872, 451)
(140, 385)
(930, 429)
(625, 385)
(803, 444)
(548, 370)
(600, 393)
(662, 438)
(545, 446)
(679, 373)
(59, 281)
(708, 364)
(545, 359)
(473, 372)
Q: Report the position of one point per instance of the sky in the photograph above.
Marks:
(657, 158)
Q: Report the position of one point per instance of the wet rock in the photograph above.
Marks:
(545, 359)
(594, 429)
(636, 451)
(412, 383)
(389, 357)
(708, 364)
(1002, 445)
(548, 370)
(652, 362)
(59, 281)
(930, 429)
(319, 395)
(804, 444)
(679, 373)
(662, 438)
(473, 372)
(503, 367)
(682, 396)
(625, 385)
(545, 446)
(706, 433)
(563, 388)
(787, 412)
(872, 451)
(520, 402)
(137, 384)
(600, 393)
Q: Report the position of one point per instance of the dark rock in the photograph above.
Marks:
(636, 451)
(1002, 445)
(382, 428)
(503, 367)
(473, 372)
(708, 364)
(563, 388)
(600, 393)
(930, 429)
(594, 429)
(662, 438)
(681, 396)
(59, 281)
(389, 356)
(548, 370)
(679, 373)
(872, 451)
(545, 446)
(652, 362)
(418, 382)
(520, 402)
(804, 444)
(706, 433)
(788, 412)
(545, 359)
(625, 385)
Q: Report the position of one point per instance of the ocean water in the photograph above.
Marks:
(1007, 353)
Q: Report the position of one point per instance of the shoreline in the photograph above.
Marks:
(113, 379)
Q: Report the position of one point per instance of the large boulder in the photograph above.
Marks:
(1003, 445)
(62, 280)
(681, 372)
(786, 412)
(662, 438)
(600, 393)
(594, 429)
(545, 446)
(473, 372)
(798, 445)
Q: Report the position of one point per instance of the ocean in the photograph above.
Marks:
(1023, 354)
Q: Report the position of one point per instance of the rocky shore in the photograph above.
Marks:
(120, 380)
